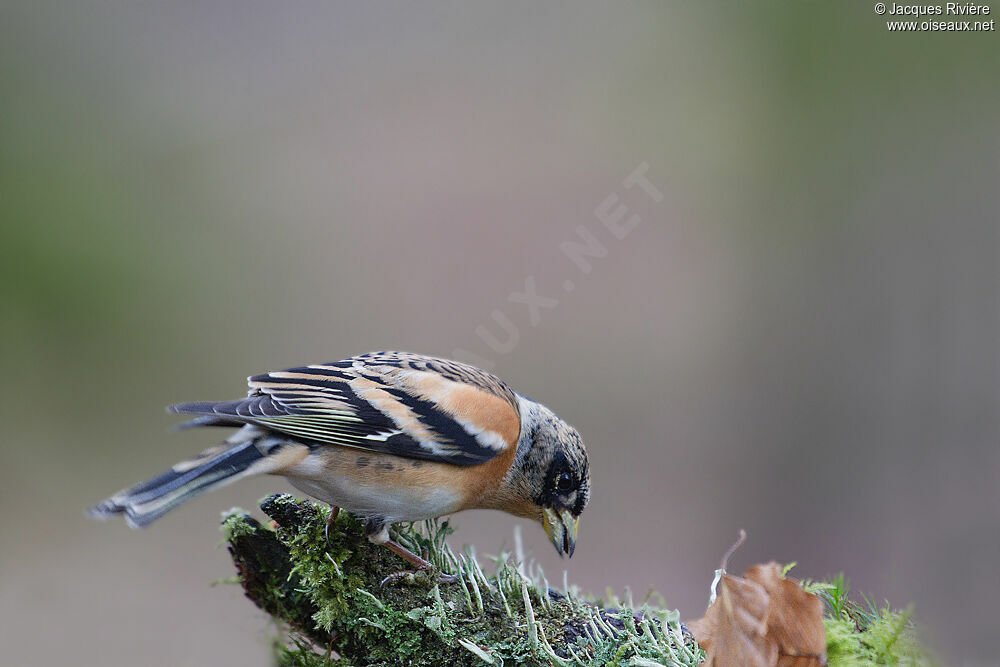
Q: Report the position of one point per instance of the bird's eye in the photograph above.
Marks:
(564, 482)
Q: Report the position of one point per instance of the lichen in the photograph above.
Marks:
(334, 611)
(329, 598)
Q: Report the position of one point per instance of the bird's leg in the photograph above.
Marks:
(334, 511)
(419, 563)
(380, 535)
(407, 555)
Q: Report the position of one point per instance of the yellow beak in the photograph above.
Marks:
(561, 528)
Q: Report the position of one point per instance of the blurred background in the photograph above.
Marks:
(799, 338)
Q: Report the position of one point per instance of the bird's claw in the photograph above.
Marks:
(412, 576)
(447, 578)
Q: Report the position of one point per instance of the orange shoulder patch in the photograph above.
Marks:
(493, 420)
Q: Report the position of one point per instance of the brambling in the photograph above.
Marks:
(387, 436)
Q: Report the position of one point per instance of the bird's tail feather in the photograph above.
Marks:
(147, 501)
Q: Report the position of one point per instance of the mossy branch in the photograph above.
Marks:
(330, 599)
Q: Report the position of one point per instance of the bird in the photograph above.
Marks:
(389, 437)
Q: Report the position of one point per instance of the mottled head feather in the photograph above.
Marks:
(548, 449)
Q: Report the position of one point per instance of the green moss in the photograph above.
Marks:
(863, 634)
(329, 598)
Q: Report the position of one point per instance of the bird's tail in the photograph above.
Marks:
(147, 501)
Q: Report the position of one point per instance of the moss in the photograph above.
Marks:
(863, 634)
(264, 570)
(329, 598)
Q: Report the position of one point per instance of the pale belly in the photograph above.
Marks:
(400, 493)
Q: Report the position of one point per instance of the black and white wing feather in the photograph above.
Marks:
(397, 403)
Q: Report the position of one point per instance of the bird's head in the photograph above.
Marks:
(551, 470)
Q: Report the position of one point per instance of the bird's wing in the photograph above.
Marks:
(392, 402)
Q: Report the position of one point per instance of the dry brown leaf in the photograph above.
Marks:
(734, 629)
(762, 619)
(795, 618)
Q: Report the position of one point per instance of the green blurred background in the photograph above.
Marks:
(800, 339)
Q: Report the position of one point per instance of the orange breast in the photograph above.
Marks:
(400, 488)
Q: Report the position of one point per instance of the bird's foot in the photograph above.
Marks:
(413, 576)
(423, 568)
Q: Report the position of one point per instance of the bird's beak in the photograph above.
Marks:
(561, 528)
